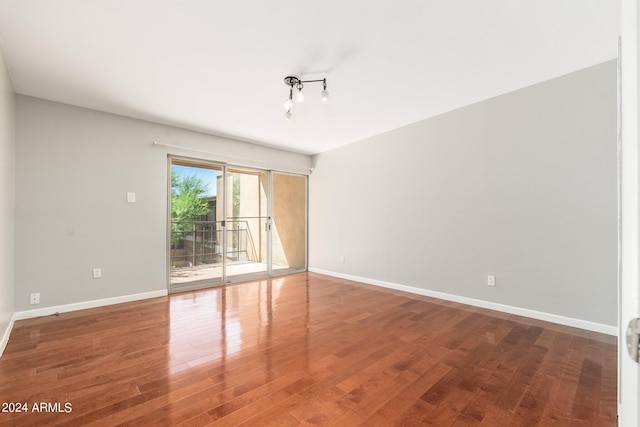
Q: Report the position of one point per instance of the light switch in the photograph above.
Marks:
(131, 197)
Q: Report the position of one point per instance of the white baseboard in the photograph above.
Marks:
(548, 317)
(47, 311)
(5, 336)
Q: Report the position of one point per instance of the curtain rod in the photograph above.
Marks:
(160, 144)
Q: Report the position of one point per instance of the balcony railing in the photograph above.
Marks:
(195, 243)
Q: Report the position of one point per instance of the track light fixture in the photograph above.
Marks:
(295, 83)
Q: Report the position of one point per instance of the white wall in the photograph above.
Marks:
(7, 181)
(73, 169)
(521, 186)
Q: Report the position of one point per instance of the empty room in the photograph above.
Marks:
(300, 213)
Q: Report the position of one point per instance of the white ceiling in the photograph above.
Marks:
(218, 66)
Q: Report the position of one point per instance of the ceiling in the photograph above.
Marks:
(218, 66)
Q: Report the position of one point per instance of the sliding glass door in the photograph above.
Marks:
(229, 224)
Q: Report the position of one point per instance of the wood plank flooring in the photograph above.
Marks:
(305, 349)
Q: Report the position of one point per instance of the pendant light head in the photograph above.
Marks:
(294, 81)
(288, 104)
(324, 95)
(289, 101)
(300, 95)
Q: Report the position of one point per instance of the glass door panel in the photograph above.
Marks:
(289, 223)
(196, 230)
(247, 223)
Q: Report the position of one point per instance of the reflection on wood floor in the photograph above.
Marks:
(305, 349)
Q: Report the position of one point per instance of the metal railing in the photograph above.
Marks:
(195, 243)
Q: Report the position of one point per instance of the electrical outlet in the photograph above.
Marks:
(491, 280)
(97, 273)
(35, 298)
(342, 258)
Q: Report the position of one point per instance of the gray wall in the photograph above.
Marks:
(73, 169)
(7, 147)
(521, 186)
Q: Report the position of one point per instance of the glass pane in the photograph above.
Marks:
(289, 223)
(246, 254)
(196, 230)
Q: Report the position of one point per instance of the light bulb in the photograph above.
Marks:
(287, 115)
(324, 95)
(288, 104)
(300, 96)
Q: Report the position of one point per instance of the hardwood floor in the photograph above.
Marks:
(305, 349)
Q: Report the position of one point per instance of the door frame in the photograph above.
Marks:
(629, 239)
(224, 167)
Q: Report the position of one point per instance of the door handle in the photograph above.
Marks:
(633, 339)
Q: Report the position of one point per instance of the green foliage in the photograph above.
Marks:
(188, 201)
(174, 182)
